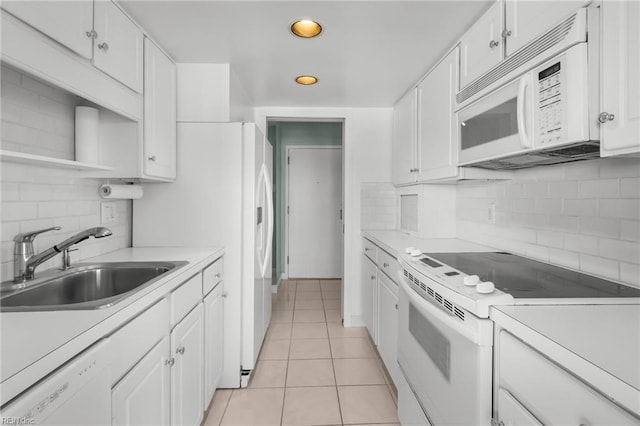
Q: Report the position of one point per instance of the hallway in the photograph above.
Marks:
(311, 370)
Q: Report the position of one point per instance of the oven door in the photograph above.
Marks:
(446, 361)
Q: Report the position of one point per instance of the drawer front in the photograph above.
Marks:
(542, 388)
(131, 342)
(370, 250)
(185, 297)
(388, 264)
(212, 275)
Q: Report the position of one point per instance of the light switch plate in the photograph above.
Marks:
(108, 213)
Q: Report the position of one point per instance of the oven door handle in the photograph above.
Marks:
(428, 308)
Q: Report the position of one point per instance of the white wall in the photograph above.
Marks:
(366, 154)
(39, 119)
(583, 215)
(378, 209)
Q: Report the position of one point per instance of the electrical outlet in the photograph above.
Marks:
(491, 213)
(108, 213)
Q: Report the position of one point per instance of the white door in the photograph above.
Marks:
(314, 204)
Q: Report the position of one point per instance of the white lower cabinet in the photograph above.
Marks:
(369, 296)
(143, 396)
(545, 393)
(213, 341)
(388, 324)
(187, 379)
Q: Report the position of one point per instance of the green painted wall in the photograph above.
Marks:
(283, 134)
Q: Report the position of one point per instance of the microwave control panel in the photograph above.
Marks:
(550, 104)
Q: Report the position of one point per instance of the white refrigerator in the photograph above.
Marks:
(222, 197)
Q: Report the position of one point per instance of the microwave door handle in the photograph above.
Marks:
(521, 111)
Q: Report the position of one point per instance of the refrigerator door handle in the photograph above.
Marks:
(266, 180)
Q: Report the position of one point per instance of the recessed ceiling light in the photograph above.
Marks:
(306, 28)
(306, 79)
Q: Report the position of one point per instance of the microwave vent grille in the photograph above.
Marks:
(522, 56)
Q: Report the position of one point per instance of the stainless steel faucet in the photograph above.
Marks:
(25, 261)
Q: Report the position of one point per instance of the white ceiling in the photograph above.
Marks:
(369, 54)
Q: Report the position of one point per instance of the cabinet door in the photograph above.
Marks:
(67, 22)
(437, 126)
(526, 19)
(512, 412)
(213, 341)
(404, 139)
(388, 325)
(369, 296)
(142, 396)
(620, 80)
(187, 374)
(481, 47)
(118, 45)
(159, 153)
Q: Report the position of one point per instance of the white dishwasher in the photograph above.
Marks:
(78, 393)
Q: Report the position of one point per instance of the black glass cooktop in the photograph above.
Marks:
(525, 278)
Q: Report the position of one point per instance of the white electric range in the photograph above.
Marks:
(445, 336)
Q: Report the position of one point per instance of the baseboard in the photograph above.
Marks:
(275, 287)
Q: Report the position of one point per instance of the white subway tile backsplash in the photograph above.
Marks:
(598, 266)
(584, 215)
(581, 243)
(564, 258)
(581, 207)
(625, 251)
(630, 273)
(600, 226)
(630, 187)
(39, 119)
(630, 230)
(626, 209)
(618, 167)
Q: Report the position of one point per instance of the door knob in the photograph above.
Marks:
(152, 158)
(103, 46)
(493, 44)
(605, 116)
(170, 361)
(180, 350)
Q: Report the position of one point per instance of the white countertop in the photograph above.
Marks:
(599, 343)
(394, 242)
(44, 340)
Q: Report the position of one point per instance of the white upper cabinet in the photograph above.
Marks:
(67, 22)
(526, 19)
(481, 46)
(620, 78)
(159, 153)
(437, 129)
(118, 45)
(404, 163)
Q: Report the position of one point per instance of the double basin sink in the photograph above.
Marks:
(85, 286)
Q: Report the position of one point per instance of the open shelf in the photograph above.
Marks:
(40, 160)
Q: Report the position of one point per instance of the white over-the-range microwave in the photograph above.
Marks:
(544, 108)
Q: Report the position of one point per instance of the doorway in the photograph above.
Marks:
(296, 134)
(314, 212)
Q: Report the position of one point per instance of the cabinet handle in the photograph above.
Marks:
(506, 33)
(224, 295)
(385, 265)
(493, 44)
(414, 170)
(103, 46)
(170, 361)
(180, 350)
(152, 158)
(218, 275)
(92, 34)
(605, 116)
(396, 306)
(367, 249)
(373, 277)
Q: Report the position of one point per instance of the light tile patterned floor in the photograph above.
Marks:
(311, 370)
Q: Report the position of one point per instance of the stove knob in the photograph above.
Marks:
(485, 287)
(471, 280)
(415, 252)
(408, 250)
